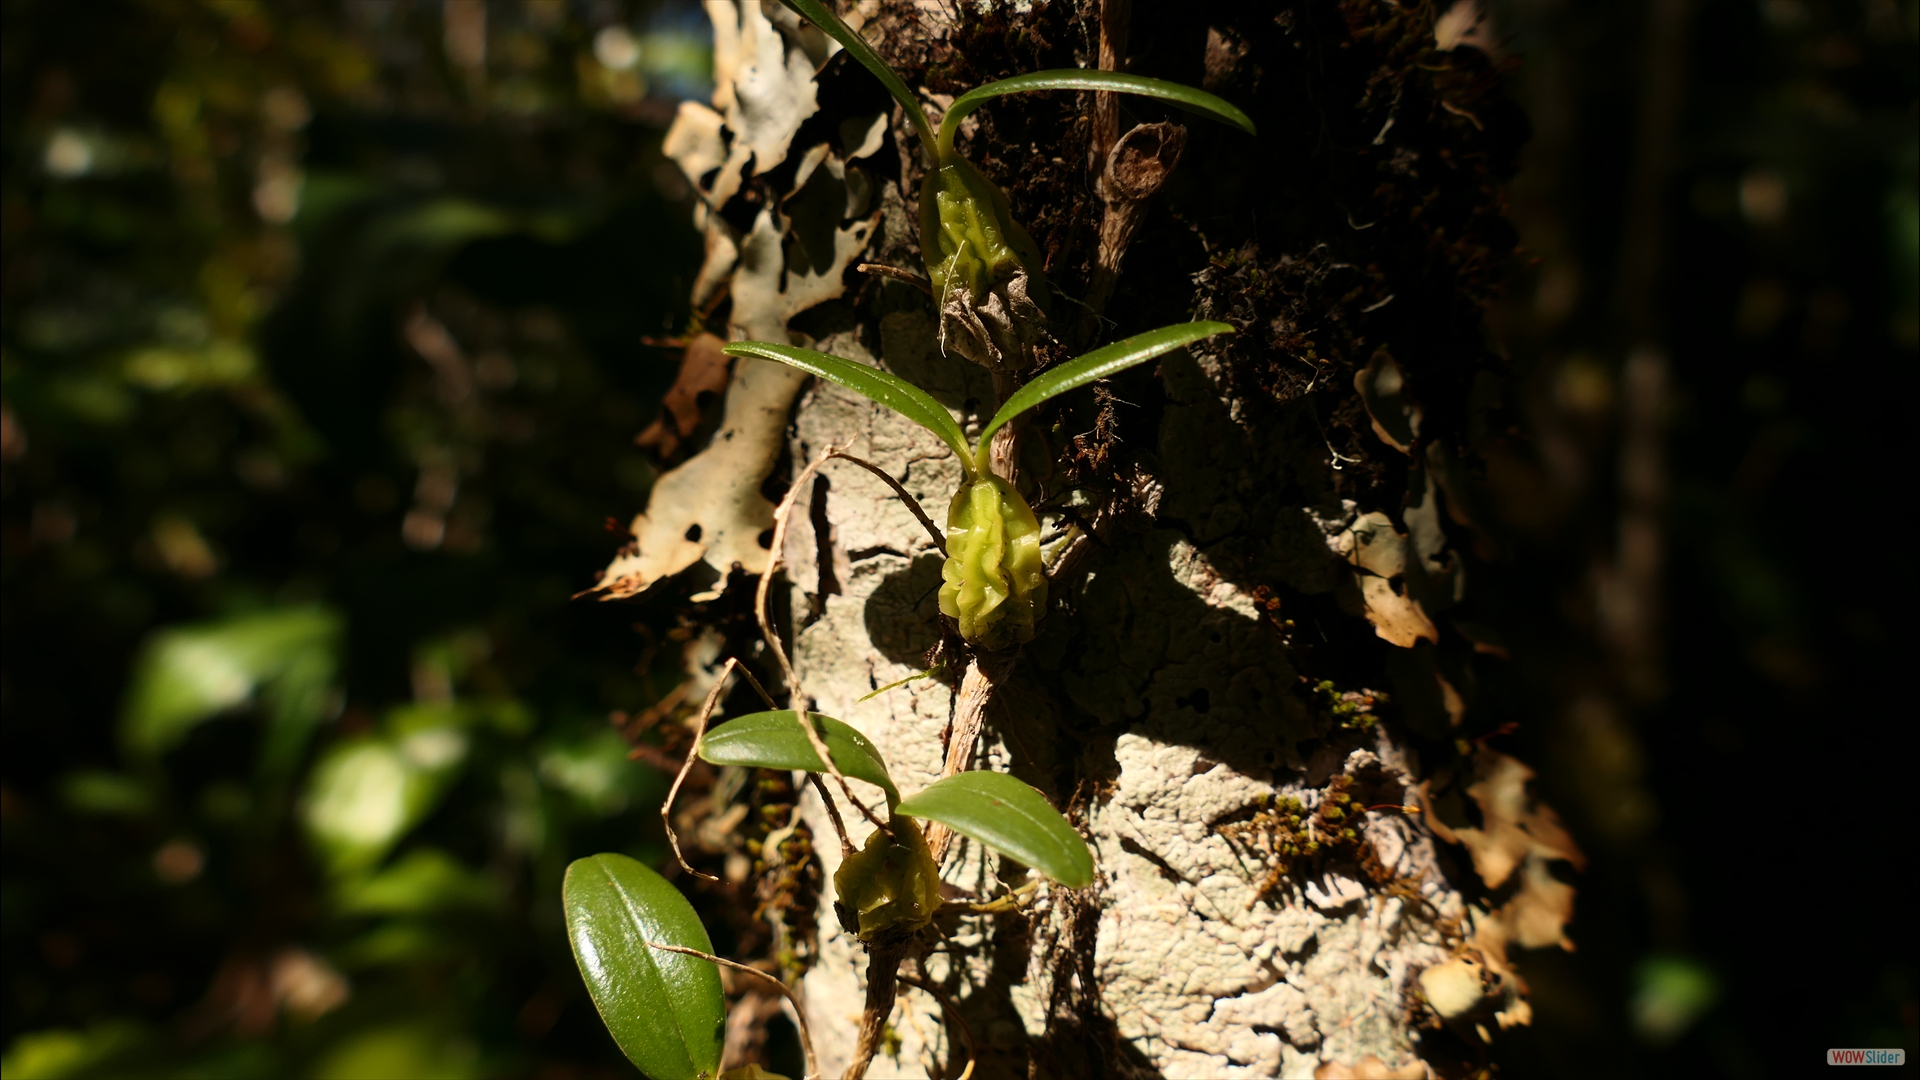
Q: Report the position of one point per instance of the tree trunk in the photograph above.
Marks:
(1271, 645)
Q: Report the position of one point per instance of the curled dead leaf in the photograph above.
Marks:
(1395, 616)
(997, 331)
(1515, 825)
(1464, 24)
(1379, 554)
(1517, 834)
(1454, 988)
(1492, 933)
(711, 507)
(695, 141)
(1396, 419)
(1538, 914)
(1378, 548)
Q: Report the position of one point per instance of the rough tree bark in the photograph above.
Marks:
(1274, 626)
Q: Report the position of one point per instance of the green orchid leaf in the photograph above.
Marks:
(890, 390)
(665, 1009)
(1099, 364)
(1009, 817)
(773, 740)
(1185, 97)
(823, 17)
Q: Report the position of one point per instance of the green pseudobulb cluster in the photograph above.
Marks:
(969, 237)
(890, 887)
(993, 583)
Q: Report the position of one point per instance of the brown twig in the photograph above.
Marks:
(1127, 169)
(1116, 17)
(897, 274)
(806, 1037)
(757, 688)
(1139, 163)
(883, 969)
(984, 672)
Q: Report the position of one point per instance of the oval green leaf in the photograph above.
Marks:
(1185, 97)
(879, 386)
(823, 17)
(1099, 364)
(1009, 817)
(773, 740)
(665, 1009)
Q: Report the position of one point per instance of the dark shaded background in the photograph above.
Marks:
(325, 341)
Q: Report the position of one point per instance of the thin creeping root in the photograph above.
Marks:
(1012, 900)
(796, 697)
(937, 671)
(913, 504)
(806, 1037)
(833, 814)
(693, 754)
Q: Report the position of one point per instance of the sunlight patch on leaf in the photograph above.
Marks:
(1010, 817)
(665, 1010)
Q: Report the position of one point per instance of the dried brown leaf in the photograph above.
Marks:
(1515, 825)
(1379, 555)
(1396, 419)
(703, 370)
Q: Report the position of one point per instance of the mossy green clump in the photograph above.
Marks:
(1351, 708)
(993, 583)
(1285, 833)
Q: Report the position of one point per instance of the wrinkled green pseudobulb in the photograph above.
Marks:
(984, 268)
(969, 237)
(890, 887)
(994, 583)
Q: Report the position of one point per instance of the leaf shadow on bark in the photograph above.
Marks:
(903, 612)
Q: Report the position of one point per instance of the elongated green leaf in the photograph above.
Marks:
(1009, 817)
(773, 740)
(823, 17)
(1099, 364)
(890, 390)
(1185, 97)
(664, 1009)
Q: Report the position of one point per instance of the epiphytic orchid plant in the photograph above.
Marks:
(646, 959)
(984, 270)
(993, 585)
(648, 962)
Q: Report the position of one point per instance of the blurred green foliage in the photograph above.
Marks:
(322, 329)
